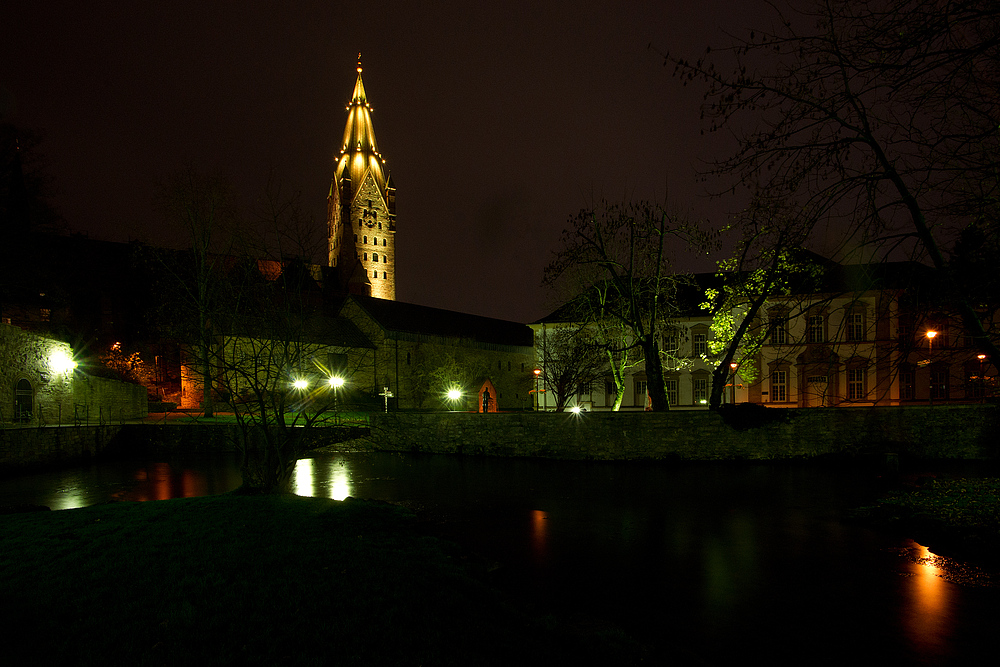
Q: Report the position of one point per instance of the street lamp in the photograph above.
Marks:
(335, 384)
(930, 369)
(732, 367)
(982, 377)
(538, 374)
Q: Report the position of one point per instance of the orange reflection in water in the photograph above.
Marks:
(927, 620)
(539, 535)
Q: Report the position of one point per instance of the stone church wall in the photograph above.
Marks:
(58, 396)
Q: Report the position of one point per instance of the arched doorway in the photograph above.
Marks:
(23, 398)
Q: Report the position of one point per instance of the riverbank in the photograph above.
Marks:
(263, 580)
(958, 516)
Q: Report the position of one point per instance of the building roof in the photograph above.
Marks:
(686, 301)
(410, 318)
(359, 150)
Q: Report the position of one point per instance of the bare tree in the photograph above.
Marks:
(875, 119)
(572, 361)
(620, 254)
(204, 208)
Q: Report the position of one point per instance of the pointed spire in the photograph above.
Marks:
(359, 151)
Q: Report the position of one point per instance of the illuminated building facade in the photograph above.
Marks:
(361, 207)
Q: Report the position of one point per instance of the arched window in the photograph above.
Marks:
(374, 256)
(23, 396)
(375, 240)
(374, 274)
(383, 275)
(359, 223)
(383, 241)
(384, 259)
(380, 224)
(366, 257)
(366, 240)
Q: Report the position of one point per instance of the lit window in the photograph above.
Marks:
(671, 387)
(700, 390)
(907, 384)
(779, 386)
(779, 331)
(855, 327)
(699, 346)
(815, 333)
(939, 384)
(640, 392)
(46, 314)
(856, 384)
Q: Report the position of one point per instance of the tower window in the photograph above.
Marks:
(359, 223)
(355, 238)
(384, 259)
(375, 240)
(366, 257)
(383, 275)
(375, 256)
(374, 274)
(383, 241)
(380, 224)
(366, 239)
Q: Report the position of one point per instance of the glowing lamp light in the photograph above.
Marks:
(454, 394)
(300, 384)
(61, 362)
(575, 409)
(336, 382)
(931, 334)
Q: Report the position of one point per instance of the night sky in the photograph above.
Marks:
(498, 120)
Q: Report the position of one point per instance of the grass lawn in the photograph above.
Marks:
(270, 580)
(962, 514)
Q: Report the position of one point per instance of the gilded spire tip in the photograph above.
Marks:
(359, 62)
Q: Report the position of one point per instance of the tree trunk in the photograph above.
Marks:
(654, 376)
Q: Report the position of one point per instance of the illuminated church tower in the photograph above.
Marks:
(361, 207)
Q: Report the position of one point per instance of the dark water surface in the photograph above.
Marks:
(708, 563)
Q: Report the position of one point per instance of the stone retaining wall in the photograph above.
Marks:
(32, 447)
(965, 431)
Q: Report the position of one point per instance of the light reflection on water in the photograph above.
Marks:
(322, 478)
(715, 557)
(928, 618)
